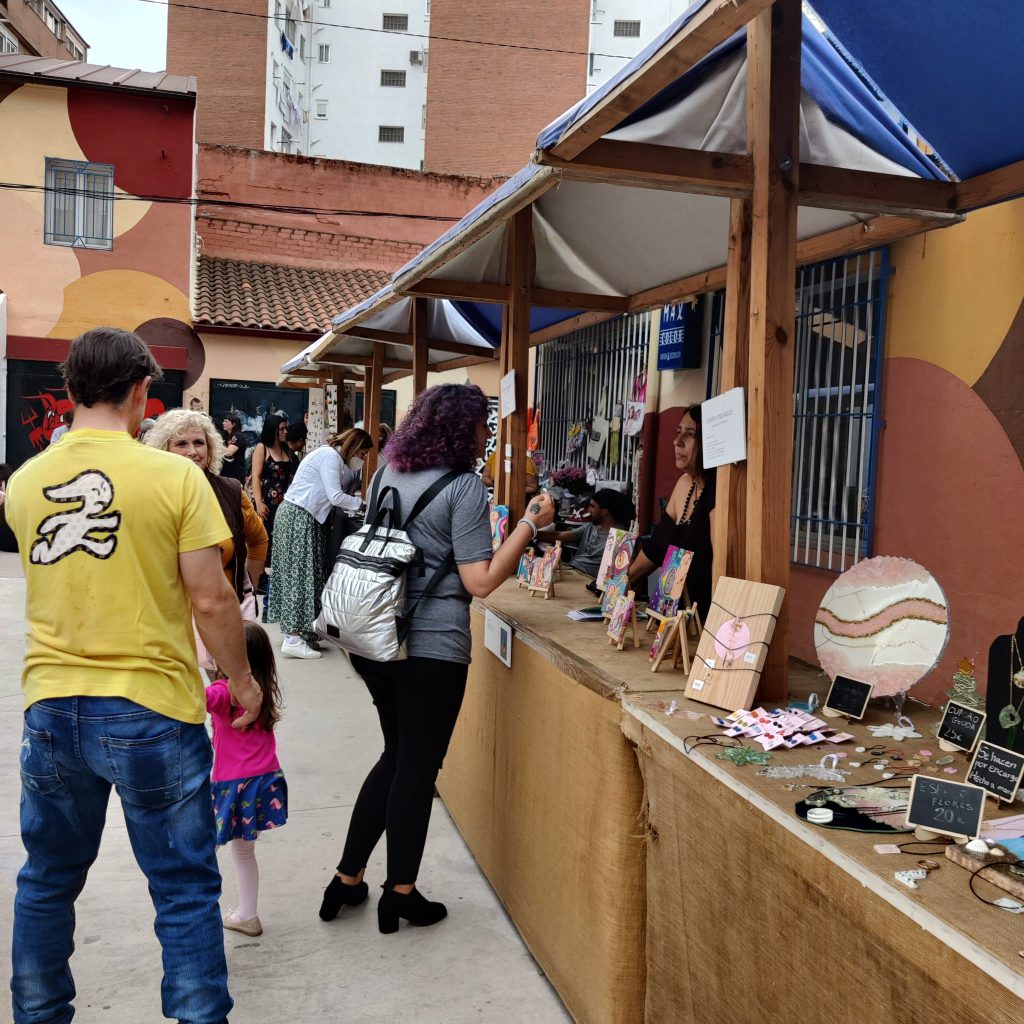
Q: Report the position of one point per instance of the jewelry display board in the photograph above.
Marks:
(1004, 662)
(733, 646)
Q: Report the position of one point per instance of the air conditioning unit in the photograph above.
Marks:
(415, 56)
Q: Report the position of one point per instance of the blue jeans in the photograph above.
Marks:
(73, 750)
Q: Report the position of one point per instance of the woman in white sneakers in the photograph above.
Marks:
(324, 480)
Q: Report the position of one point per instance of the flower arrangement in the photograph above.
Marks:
(571, 478)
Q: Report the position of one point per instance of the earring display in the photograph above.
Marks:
(732, 647)
(885, 622)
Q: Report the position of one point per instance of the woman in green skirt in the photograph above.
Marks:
(324, 480)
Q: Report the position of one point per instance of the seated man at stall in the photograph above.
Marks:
(607, 509)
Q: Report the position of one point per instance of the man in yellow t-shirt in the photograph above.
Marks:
(488, 472)
(119, 544)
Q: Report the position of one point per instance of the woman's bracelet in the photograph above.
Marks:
(532, 525)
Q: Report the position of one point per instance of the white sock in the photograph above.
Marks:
(290, 639)
(248, 874)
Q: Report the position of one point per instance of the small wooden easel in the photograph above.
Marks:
(619, 642)
(675, 629)
(547, 589)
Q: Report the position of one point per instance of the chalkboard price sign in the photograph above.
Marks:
(997, 769)
(951, 808)
(849, 697)
(961, 726)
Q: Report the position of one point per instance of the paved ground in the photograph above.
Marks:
(471, 967)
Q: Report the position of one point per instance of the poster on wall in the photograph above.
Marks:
(253, 402)
(37, 401)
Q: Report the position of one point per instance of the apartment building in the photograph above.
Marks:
(38, 28)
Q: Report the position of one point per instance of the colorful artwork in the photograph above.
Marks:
(499, 525)
(542, 573)
(670, 581)
(617, 586)
(525, 571)
(665, 630)
(622, 615)
(618, 553)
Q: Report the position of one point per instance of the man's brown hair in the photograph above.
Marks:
(104, 364)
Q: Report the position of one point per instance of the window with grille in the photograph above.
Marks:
(840, 318)
(79, 204)
(390, 133)
(627, 29)
(325, 3)
(395, 79)
(321, 110)
(324, 53)
(396, 22)
(8, 43)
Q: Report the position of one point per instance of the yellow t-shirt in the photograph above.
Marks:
(490, 464)
(100, 520)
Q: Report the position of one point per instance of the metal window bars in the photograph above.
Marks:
(79, 210)
(840, 317)
(590, 373)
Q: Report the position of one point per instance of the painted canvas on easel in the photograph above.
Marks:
(542, 574)
(617, 586)
(664, 635)
(622, 614)
(499, 525)
(670, 580)
(525, 570)
(618, 553)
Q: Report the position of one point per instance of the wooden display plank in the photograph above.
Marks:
(727, 668)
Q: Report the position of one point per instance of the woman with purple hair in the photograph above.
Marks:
(418, 699)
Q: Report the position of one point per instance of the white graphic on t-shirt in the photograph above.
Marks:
(64, 533)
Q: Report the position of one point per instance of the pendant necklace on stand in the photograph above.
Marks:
(1009, 717)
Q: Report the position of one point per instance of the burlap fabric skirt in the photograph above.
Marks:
(299, 570)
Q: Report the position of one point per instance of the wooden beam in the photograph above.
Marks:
(357, 360)
(773, 132)
(458, 364)
(556, 299)
(566, 326)
(419, 346)
(467, 291)
(374, 381)
(520, 278)
(711, 25)
(730, 519)
(839, 188)
(390, 378)
(644, 165)
(436, 344)
(845, 241)
(991, 187)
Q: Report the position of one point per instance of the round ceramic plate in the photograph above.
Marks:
(884, 622)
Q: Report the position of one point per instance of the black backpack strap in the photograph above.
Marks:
(430, 494)
(377, 510)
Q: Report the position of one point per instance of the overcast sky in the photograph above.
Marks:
(125, 33)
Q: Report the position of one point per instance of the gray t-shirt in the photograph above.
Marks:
(590, 540)
(457, 519)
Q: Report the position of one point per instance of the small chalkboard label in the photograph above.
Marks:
(848, 697)
(997, 769)
(951, 808)
(961, 726)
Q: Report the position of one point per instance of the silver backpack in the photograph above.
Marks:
(363, 604)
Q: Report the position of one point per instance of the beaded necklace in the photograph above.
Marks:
(687, 513)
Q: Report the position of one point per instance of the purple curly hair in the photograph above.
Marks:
(439, 430)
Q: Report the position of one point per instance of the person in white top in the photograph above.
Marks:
(324, 480)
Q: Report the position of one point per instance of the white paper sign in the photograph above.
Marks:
(498, 637)
(723, 429)
(508, 394)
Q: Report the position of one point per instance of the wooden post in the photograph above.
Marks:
(374, 381)
(730, 519)
(773, 132)
(517, 341)
(419, 345)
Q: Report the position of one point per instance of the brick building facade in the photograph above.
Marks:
(486, 104)
(226, 54)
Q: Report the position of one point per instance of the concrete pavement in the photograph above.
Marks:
(471, 967)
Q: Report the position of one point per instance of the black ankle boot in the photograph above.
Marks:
(339, 894)
(413, 906)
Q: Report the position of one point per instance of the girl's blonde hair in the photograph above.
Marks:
(175, 422)
(350, 443)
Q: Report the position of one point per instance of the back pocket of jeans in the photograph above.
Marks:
(38, 768)
(147, 772)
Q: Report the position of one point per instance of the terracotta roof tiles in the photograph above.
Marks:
(265, 296)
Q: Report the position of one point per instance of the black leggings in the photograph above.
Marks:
(418, 702)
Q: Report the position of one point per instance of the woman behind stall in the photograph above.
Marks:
(234, 447)
(687, 519)
(324, 481)
(273, 467)
(418, 699)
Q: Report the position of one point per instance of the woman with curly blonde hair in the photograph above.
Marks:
(192, 435)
